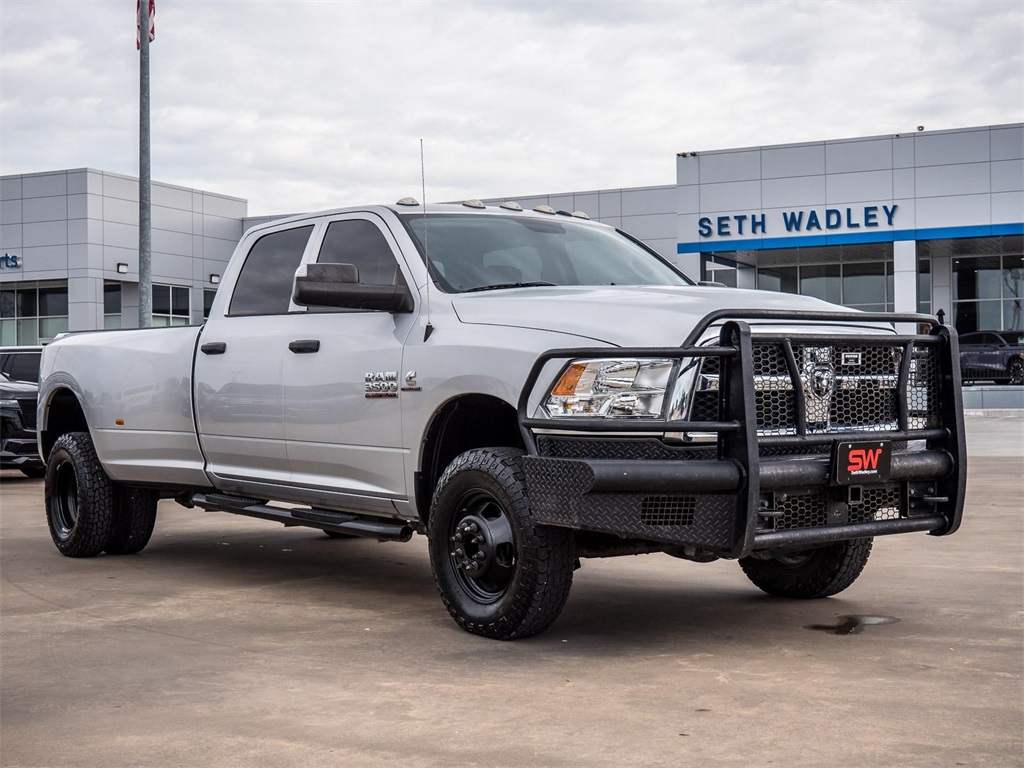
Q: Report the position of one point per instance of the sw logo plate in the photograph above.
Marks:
(857, 463)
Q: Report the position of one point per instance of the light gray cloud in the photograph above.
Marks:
(306, 105)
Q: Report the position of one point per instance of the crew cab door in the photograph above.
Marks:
(240, 364)
(342, 412)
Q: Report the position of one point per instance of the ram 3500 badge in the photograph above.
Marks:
(528, 389)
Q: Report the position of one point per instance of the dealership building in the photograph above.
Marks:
(929, 221)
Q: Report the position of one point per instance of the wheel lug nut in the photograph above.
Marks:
(472, 528)
(479, 556)
(457, 537)
(478, 540)
(459, 553)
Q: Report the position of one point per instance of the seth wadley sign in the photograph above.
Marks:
(807, 220)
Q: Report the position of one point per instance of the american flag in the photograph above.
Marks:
(138, 22)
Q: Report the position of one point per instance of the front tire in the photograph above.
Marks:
(809, 574)
(79, 497)
(500, 574)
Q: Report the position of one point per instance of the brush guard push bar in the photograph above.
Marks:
(876, 448)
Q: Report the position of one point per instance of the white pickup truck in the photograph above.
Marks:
(526, 388)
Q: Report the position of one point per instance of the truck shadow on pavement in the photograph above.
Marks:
(651, 604)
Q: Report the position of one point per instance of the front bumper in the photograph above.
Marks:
(766, 481)
(18, 447)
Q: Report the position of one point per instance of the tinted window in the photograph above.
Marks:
(23, 366)
(264, 286)
(359, 242)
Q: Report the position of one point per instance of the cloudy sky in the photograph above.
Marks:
(301, 106)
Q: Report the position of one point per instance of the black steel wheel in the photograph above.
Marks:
(79, 497)
(811, 573)
(134, 518)
(500, 575)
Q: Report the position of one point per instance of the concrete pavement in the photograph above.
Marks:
(236, 642)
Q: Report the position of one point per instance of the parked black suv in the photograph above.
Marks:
(18, 427)
(992, 356)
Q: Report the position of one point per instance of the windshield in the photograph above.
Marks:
(470, 253)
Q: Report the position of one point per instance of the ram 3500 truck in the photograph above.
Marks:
(526, 388)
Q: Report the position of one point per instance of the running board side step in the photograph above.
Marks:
(324, 519)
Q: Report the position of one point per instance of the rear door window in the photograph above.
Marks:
(264, 286)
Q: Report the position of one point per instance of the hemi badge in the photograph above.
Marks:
(851, 358)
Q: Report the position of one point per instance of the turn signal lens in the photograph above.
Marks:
(566, 385)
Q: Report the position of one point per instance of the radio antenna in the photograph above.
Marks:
(429, 329)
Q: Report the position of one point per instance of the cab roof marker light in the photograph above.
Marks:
(511, 205)
(408, 201)
(473, 204)
(545, 209)
(580, 215)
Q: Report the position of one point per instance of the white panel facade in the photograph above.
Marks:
(786, 192)
(1008, 143)
(648, 200)
(786, 162)
(953, 147)
(857, 187)
(741, 165)
(858, 156)
(960, 179)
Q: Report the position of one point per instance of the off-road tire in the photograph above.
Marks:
(134, 518)
(79, 497)
(810, 574)
(525, 570)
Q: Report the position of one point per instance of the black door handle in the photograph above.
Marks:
(213, 348)
(305, 346)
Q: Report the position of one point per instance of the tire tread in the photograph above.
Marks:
(545, 554)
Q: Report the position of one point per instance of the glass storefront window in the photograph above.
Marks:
(112, 305)
(977, 278)
(208, 302)
(171, 305)
(821, 281)
(53, 302)
(864, 283)
(860, 284)
(988, 292)
(778, 279)
(924, 286)
(32, 314)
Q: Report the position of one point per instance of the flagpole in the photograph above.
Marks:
(145, 183)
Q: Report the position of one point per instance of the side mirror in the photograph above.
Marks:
(338, 286)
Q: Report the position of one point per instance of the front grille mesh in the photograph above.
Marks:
(846, 387)
(811, 510)
(668, 510)
(28, 411)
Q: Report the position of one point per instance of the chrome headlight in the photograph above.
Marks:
(611, 388)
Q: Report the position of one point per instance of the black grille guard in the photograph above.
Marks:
(738, 469)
